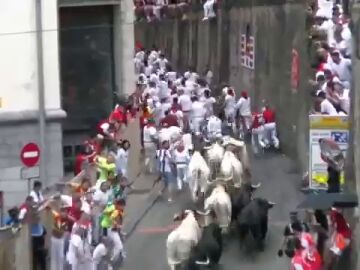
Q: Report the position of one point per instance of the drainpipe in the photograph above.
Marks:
(41, 91)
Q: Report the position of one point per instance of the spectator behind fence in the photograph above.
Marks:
(36, 193)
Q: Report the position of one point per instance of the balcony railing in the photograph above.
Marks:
(74, 3)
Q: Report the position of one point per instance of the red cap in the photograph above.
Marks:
(244, 94)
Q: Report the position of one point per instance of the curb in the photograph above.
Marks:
(148, 206)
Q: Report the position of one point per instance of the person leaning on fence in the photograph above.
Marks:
(106, 167)
(102, 254)
(39, 251)
(60, 227)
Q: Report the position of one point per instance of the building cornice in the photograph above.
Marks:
(31, 116)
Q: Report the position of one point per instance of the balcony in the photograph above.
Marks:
(79, 3)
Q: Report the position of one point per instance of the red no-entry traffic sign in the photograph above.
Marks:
(30, 154)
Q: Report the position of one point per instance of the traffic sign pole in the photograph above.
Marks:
(30, 156)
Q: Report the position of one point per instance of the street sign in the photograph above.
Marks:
(30, 154)
(30, 173)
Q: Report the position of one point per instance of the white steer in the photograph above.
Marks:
(220, 202)
(239, 147)
(214, 156)
(198, 175)
(231, 168)
(180, 241)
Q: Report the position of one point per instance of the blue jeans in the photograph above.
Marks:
(168, 178)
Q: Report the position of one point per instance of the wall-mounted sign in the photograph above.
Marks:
(248, 51)
(295, 70)
(335, 128)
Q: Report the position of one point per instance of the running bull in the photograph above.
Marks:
(254, 219)
(209, 249)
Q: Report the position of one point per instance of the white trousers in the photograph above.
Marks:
(257, 139)
(56, 253)
(150, 155)
(271, 135)
(209, 9)
(196, 124)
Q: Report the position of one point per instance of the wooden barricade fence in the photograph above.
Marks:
(15, 247)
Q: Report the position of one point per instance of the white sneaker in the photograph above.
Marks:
(205, 18)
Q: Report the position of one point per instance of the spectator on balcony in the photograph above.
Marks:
(342, 94)
(325, 105)
(342, 39)
(341, 67)
(158, 7)
(209, 9)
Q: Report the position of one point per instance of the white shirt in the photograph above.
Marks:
(149, 133)
(163, 90)
(171, 75)
(343, 69)
(164, 107)
(185, 102)
(209, 105)
(78, 246)
(209, 77)
(154, 78)
(243, 105)
(327, 108)
(152, 57)
(102, 198)
(99, 252)
(181, 158)
(345, 100)
(85, 206)
(105, 127)
(162, 63)
(326, 7)
(175, 132)
(214, 125)
(122, 157)
(148, 70)
(298, 267)
(347, 40)
(229, 103)
(164, 135)
(37, 197)
(164, 157)
(198, 110)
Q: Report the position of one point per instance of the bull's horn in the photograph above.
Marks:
(207, 262)
(256, 186)
(271, 203)
(203, 213)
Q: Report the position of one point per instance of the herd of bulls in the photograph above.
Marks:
(228, 207)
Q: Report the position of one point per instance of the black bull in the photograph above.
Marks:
(254, 219)
(209, 249)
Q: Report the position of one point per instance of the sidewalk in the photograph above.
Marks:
(140, 201)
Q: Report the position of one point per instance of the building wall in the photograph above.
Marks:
(18, 75)
(278, 28)
(19, 94)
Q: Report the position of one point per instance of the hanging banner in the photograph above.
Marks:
(295, 70)
(335, 128)
(247, 52)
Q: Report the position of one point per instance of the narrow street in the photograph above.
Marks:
(146, 246)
